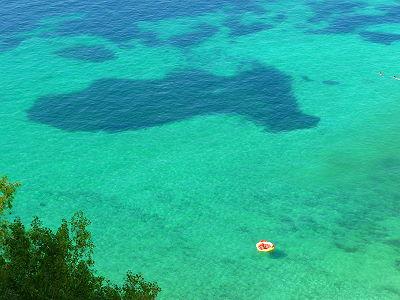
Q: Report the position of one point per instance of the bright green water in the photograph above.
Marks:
(185, 203)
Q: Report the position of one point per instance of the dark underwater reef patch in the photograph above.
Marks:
(8, 43)
(201, 33)
(346, 16)
(237, 28)
(397, 264)
(192, 37)
(198, 35)
(263, 95)
(380, 37)
(87, 53)
(111, 19)
(392, 290)
(395, 243)
(390, 164)
(323, 10)
(280, 17)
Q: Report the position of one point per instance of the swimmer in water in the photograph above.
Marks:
(381, 73)
(395, 77)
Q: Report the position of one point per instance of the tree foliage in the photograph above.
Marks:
(38, 263)
(7, 193)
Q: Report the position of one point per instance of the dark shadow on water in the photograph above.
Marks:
(395, 243)
(331, 82)
(397, 264)
(347, 248)
(263, 95)
(306, 78)
(390, 165)
(278, 254)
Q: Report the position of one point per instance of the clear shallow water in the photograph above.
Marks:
(189, 132)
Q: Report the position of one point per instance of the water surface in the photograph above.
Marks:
(189, 131)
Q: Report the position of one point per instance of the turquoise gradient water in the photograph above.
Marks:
(187, 133)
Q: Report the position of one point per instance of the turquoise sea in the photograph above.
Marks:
(189, 130)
